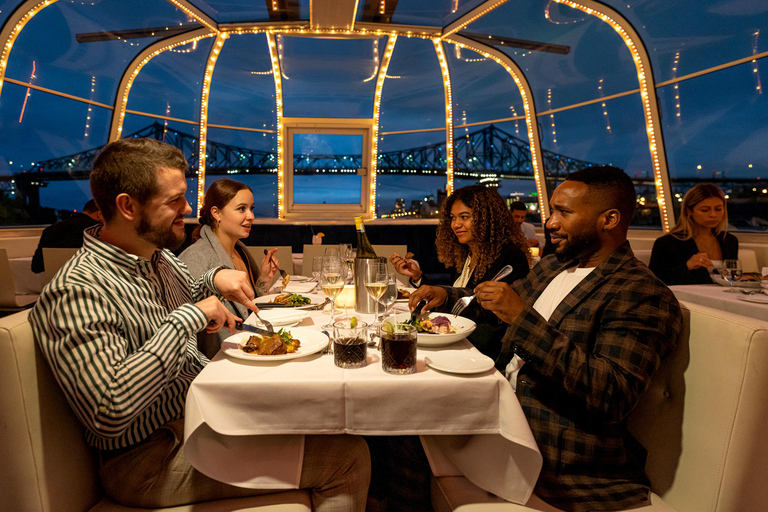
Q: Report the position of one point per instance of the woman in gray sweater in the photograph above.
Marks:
(226, 217)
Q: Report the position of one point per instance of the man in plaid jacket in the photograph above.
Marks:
(587, 328)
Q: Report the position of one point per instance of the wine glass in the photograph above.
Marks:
(332, 280)
(390, 294)
(732, 271)
(375, 282)
(332, 251)
(347, 254)
(317, 267)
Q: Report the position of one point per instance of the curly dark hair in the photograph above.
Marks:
(492, 227)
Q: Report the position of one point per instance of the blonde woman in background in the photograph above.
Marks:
(699, 238)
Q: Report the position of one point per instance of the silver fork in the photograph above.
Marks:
(268, 325)
(463, 302)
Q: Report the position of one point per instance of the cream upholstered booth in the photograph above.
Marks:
(45, 464)
(703, 421)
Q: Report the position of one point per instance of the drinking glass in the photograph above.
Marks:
(398, 348)
(332, 280)
(375, 282)
(347, 254)
(350, 344)
(390, 294)
(732, 271)
(332, 251)
(317, 267)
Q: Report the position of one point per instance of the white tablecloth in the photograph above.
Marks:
(718, 297)
(25, 281)
(245, 421)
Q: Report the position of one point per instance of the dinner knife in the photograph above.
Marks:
(240, 326)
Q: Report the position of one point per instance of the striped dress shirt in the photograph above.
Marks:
(119, 333)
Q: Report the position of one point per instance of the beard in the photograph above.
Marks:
(576, 247)
(162, 237)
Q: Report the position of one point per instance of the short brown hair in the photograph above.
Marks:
(130, 166)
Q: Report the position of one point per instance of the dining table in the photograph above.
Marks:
(245, 419)
(754, 305)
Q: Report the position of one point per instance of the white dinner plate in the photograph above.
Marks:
(312, 341)
(738, 284)
(314, 300)
(459, 361)
(758, 298)
(407, 289)
(464, 327)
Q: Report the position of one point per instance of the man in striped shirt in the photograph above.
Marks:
(118, 327)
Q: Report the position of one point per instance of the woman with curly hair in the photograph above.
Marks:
(476, 237)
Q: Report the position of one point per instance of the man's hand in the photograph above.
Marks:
(218, 315)
(234, 285)
(407, 267)
(434, 295)
(499, 298)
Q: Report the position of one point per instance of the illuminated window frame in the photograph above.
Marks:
(448, 114)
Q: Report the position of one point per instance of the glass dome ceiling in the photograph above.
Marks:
(437, 93)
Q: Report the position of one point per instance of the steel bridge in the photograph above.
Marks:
(489, 152)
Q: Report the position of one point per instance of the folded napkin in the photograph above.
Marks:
(294, 287)
(278, 316)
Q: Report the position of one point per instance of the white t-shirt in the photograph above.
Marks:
(546, 304)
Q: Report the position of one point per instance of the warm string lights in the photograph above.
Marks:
(647, 95)
(90, 109)
(551, 116)
(677, 86)
(376, 110)
(165, 121)
(530, 112)
(375, 61)
(12, 31)
(213, 56)
(517, 125)
(193, 13)
(273, 55)
(602, 104)
(280, 57)
(476, 13)
(759, 86)
(136, 66)
(448, 114)
(32, 76)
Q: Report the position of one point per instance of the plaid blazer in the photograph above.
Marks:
(585, 370)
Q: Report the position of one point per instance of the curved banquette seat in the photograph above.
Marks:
(703, 420)
(45, 464)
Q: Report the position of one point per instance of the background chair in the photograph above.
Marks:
(310, 251)
(46, 464)
(386, 251)
(9, 301)
(284, 255)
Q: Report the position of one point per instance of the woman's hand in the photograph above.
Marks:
(407, 267)
(699, 260)
(269, 265)
(434, 295)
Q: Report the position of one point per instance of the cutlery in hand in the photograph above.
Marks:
(240, 326)
(283, 273)
(463, 302)
(417, 311)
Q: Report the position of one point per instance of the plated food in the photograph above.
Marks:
(283, 300)
(459, 329)
(290, 299)
(311, 342)
(738, 284)
(278, 344)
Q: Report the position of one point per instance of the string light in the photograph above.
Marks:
(21, 21)
(448, 114)
(551, 116)
(32, 76)
(90, 108)
(647, 96)
(192, 13)
(276, 73)
(375, 61)
(605, 110)
(517, 126)
(530, 111)
(471, 16)
(376, 110)
(677, 87)
(754, 65)
(213, 55)
(165, 121)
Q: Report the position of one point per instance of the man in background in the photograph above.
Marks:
(67, 233)
(519, 211)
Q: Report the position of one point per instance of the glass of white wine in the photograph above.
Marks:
(390, 294)
(732, 271)
(375, 282)
(332, 280)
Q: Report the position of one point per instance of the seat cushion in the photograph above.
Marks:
(285, 501)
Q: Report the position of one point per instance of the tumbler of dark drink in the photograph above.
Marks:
(398, 348)
(349, 344)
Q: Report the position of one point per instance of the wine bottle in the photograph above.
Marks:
(364, 247)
